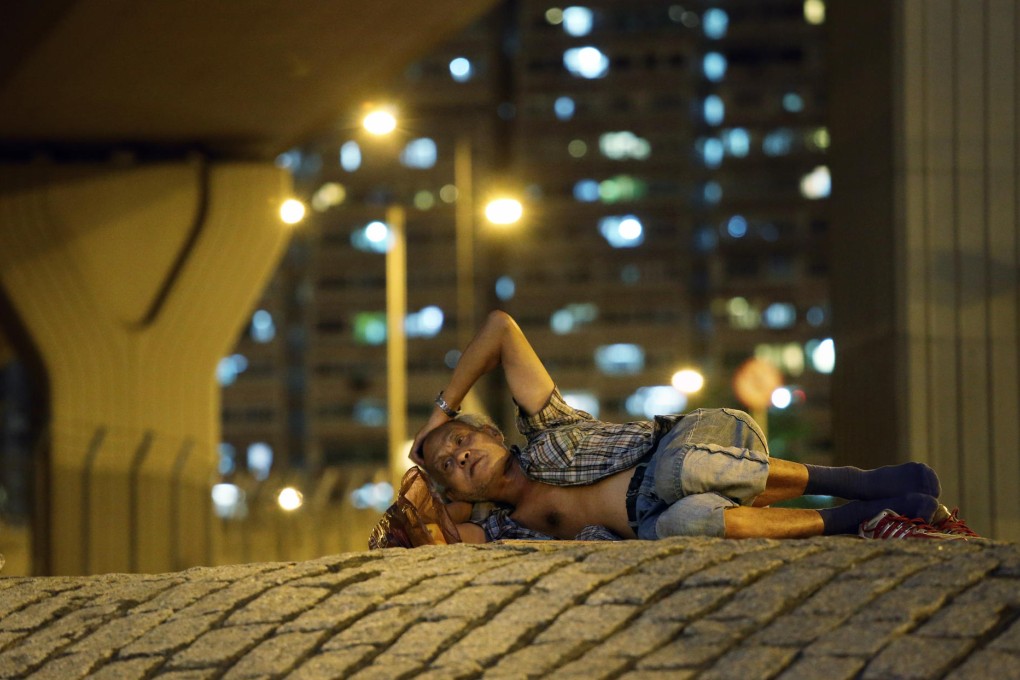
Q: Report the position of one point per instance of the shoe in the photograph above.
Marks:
(887, 524)
(946, 522)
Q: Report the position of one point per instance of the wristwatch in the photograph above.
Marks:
(446, 408)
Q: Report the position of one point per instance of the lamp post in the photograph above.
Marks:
(380, 122)
(464, 237)
(396, 343)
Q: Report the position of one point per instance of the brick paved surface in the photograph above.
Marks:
(832, 608)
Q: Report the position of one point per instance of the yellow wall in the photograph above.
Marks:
(132, 283)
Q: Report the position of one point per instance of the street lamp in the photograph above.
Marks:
(380, 121)
(688, 381)
(292, 211)
(504, 211)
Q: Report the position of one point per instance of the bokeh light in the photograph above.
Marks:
(292, 211)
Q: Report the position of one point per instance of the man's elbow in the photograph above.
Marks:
(497, 318)
(471, 533)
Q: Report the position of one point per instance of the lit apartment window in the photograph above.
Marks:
(816, 184)
(289, 160)
(425, 323)
(736, 226)
(814, 11)
(705, 239)
(815, 316)
(712, 192)
(714, 23)
(711, 151)
(623, 145)
(370, 328)
(229, 368)
(822, 354)
(714, 109)
(260, 459)
(262, 327)
(777, 142)
(229, 501)
(713, 65)
(377, 496)
(577, 148)
(460, 69)
(648, 402)
(505, 288)
(572, 317)
(583, 401)
(564, 108)
(736, 142)
(578, 21)
(622, 231)
(780, 315)
(793, 102)
(788, 357)
(328, 195)
(374, 237)
(370, 412)
(227, 454)
(419, 153)
(586, 62)
(743, 314)
(620, 359)
(586, 191)
(424, 199)
(350, 156)
(622, 188)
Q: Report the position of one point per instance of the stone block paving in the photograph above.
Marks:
(832, 608)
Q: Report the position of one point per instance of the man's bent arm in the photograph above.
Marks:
(500, 341)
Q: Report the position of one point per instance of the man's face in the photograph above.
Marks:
(468, 462)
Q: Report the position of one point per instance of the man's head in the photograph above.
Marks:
(468, 457)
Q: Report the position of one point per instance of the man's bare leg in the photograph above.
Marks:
(745, 522)
(786, 480)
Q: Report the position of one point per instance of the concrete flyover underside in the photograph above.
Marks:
(822, 608)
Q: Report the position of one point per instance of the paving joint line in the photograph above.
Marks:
(579, 601)
(218, 622)
(632, 662)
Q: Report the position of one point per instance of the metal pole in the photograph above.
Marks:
(396, 344)
(464, 218)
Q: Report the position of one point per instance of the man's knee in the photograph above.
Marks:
(740, 474)
(695, 515)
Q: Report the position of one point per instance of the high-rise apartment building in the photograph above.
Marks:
(671, 163)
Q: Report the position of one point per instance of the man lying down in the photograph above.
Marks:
(705, 473)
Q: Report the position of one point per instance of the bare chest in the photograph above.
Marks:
(563, 511)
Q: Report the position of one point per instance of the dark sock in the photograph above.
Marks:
(884, 482)
(846, 518)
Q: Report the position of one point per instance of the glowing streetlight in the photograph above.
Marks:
(380, 122)
(504, 211)
(688, 381)
(292, 211)
(290, 499)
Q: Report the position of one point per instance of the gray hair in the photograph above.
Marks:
(476, 421)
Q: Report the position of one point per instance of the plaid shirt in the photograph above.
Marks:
(568, 447)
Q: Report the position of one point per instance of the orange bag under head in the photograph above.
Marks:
(418, 517)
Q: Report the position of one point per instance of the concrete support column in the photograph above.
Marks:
(926, 169)
(131, 283)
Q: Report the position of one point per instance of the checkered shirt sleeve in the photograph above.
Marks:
(569, 447)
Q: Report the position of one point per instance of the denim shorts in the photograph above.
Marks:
(712, 459)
